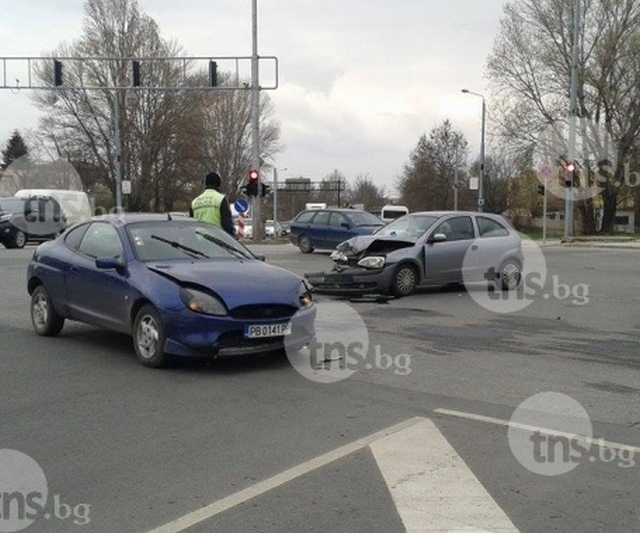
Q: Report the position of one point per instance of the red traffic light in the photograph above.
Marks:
(569, 166)
(252, 175)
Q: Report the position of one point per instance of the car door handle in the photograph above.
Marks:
(74, 269)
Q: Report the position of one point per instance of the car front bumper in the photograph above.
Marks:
(196, 335)
(352, 281)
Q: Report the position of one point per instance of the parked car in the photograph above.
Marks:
(178, 286)
(427, 248)
(326, 228)
(33, 218)
(273, 229)
(286, 227)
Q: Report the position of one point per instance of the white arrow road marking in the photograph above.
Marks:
(432, 487)
(205, 513)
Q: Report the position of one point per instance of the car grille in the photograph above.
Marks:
(257, 312)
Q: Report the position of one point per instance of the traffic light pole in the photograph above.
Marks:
(573, 117)
(69, 74)
(255, 124)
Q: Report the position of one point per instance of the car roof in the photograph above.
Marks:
(123, 219)
(446, 213)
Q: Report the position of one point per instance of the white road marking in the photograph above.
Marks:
(432, 487)
(534, 429)
(242, 496)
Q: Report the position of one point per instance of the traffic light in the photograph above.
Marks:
(252, 184)
(57, 73)
(213, 74)
(541, 189)
(569, 168)
(135, 67)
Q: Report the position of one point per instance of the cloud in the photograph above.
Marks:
(359, 81)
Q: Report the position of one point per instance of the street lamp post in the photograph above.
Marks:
(480, 182)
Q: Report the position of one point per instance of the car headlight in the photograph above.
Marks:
(304, 294)
(202, 302)
(372, 261)
(338, 257)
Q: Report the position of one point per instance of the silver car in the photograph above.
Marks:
(427, 248)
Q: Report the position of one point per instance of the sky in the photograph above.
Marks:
(358, 81)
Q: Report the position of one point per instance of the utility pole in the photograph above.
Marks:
(455, 179)
(573, 118)
(255, 124)
(118, 150)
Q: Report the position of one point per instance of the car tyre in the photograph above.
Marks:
(404, 281)
(45, 319)
(305, 244)
(510, 275)
(19, 239)
(149, 337)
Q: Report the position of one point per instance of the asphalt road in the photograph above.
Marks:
(253, 444)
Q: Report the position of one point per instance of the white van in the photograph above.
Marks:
(315, 206)
(391, 212)
(75, 204)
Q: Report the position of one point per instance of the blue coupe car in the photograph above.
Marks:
(178, 286)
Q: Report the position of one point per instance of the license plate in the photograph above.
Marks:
(272, 330)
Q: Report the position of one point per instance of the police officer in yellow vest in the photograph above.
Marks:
(212, 206)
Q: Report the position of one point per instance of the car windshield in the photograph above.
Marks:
(363, 218)
(11, 206)
(408, 227)
(168, 240)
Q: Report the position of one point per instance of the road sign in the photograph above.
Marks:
(241, 205)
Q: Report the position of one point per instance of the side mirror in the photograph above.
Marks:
(345, 225)
(109, 263)
(260, 257)
(437, 237)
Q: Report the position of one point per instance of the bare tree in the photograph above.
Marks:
(530, 68)
(365, 191)
(226, 134)
(170, 138)
(428, 179)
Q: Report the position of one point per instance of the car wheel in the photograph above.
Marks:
(305, 244)
(404, 281)
(45, 319)
(510, 275)
(19, 239)
(149, 337)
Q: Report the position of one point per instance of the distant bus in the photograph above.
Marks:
(391, 212)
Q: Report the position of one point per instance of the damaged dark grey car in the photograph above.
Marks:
(423, 249)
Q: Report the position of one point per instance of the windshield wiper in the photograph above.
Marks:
(222, 244)
(186, 249)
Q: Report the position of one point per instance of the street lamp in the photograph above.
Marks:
(480, 183)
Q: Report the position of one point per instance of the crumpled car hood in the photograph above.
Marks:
(373, 245)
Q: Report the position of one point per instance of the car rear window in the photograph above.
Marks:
(364, 218)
